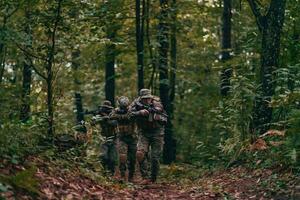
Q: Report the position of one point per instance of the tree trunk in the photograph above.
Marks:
(140, 41)
(110, 56)
(2, 50)
(2, 60)
(294, 55)
(163, 39)
(26, 85)
(78, 97)
(173, 64)
(270, 26)
(49, 79)
(226, 47)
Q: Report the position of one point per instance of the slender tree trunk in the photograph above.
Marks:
(171, 154)
(77, 95)
(2, 60)
(152, 59)
(270, 26)
(26, 85)
(163, 39)
(294, 55)
(110, 56)
(226, 47)
(140, 42)
(49, 80)
(2, 50)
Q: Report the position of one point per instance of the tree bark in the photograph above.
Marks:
(49, 80)
(2, 38)
(2, 50)
(140, 41)
(270, 26)
(163, 39)
(173, 63)
(226, 47)
(110, 56)
(27, 72)
(77, 83)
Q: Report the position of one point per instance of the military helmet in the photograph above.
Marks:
(123, 101)
(145, 94)
(106, 103)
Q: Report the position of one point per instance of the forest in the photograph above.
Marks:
(227, 73)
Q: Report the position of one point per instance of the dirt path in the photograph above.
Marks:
(176, 182)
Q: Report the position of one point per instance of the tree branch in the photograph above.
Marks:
(259, 18)
(36, 70)
(27, 53)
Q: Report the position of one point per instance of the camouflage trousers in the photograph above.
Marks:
(150, 139)
(109, 154)
(127, 155)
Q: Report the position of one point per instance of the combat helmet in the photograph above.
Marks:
(123, 101)
(145, 94)
(106, 103)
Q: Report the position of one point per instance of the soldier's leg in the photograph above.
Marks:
(142, 150)
(132, 147)
(113, 157)
(157, 142)
(122, 157)
(104, 155)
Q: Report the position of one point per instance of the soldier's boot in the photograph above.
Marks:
(154, 170)
(111, 167)
(143, 165)
(123, 171)
(123, 168)
(131, 170)
(144, 169)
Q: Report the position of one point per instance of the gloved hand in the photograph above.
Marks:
(143, 112)
(132, 114)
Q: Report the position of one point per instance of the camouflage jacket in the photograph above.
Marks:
(126, 126)
(108, 126)
(155, 119)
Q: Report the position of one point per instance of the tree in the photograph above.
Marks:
(7, 11)
(46, 54)
(173, 63)
(226, 46)
(270, 26)
(27, 74)
(140, 18)
(163, 40)
(112, 25)
(77, 83)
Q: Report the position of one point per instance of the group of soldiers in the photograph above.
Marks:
(133, 132)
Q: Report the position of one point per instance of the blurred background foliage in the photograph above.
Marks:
(209, 129)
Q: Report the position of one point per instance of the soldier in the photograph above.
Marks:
(108, 150)
(151, 118)
(127, 139)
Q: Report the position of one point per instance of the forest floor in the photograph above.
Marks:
(41, 178)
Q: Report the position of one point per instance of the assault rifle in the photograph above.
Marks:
(98, 111)
(151, 109)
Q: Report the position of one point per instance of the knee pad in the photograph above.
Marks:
(140, 156)
(123, 158)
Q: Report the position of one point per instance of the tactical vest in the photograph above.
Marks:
(149, 122)
(125, 126)
(108, 129)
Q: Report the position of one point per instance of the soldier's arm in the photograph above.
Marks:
(113, 115)
(157, 105)
(133, 111)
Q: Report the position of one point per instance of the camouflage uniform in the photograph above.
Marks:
(127, 139)
(108, 148)
(150, 131)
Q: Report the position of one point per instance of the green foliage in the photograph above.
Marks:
(234, 114)
(18, 140)
(24, 180)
